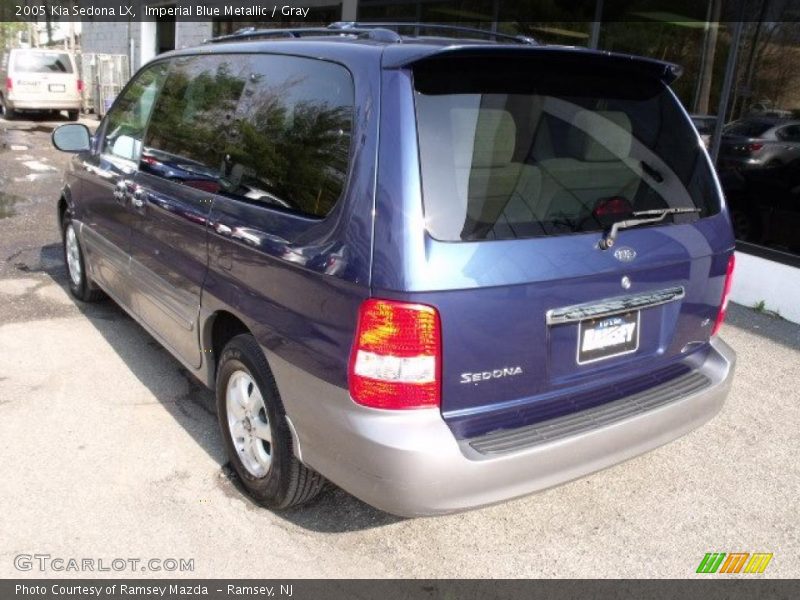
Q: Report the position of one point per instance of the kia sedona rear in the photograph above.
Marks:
(553, 259)
(438, 273)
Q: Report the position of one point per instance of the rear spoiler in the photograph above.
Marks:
(403, 56)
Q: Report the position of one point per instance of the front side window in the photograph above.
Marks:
(185, 141)
(290, 144)
(523, 150)
(42, 62)
(127, 120)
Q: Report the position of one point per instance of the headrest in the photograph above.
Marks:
(602, 135)
(482, 137)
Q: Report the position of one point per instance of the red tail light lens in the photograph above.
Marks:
(726, 291)
(614, 207)
(754, 147)
(9, 83)
(397, 355)
(80, 85)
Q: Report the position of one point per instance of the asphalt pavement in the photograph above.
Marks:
(109, 449)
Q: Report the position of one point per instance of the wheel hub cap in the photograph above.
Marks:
(249, 424)
(73, 255)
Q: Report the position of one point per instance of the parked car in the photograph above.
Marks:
(439, 273)
(765, 205)
(705, 126)
(759, 142)
(36, 80)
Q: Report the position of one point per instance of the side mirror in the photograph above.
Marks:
(72, 137)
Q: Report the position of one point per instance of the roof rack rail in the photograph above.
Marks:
(394, 25)
(248, 33)
(382, 32)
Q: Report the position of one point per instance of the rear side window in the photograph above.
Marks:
(290, 143)
(185, 141)
(42, 62)
(517, 150)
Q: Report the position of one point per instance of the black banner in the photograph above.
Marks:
(735, 588)
(516, 11)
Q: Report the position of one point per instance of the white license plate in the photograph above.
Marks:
(607, 337)
(56, 87)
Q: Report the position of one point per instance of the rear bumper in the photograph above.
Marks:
(410, 464)
(44, 104)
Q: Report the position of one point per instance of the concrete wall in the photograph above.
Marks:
(105, 37)
(757, 279)
(190, 33)
(115, 38)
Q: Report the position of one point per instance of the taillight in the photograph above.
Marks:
(396, 357)
(80, 85)
(755, 147)
(9, 83)
(726, 291)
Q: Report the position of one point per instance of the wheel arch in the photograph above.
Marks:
(219, 328)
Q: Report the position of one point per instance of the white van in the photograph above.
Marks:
(33, 79)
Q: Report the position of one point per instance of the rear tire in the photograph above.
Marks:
(255, 431)
(80, 286)
(9, 114)
(73, 115)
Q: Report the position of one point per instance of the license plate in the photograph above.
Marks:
(56, 87)
(607, 337)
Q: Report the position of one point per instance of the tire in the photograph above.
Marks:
(80, 286)
(9, 114)
(73, 115)
(250, 410)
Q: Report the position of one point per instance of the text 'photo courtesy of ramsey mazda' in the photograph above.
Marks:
(438, 273)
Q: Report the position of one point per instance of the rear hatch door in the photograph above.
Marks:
(524, 165)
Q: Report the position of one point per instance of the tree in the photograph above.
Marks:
(9, 31)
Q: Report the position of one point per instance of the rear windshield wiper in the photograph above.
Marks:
(643, 217)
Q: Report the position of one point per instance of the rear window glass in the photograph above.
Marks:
(42, 62)
(749, 128)
(519, 150)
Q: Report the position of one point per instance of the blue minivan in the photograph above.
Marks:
(438, 272)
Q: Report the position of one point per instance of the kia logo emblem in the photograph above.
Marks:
(625, 254)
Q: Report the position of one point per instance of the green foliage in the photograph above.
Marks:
(8, 33)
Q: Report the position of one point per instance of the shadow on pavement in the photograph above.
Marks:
(194, 409)
(763, 324)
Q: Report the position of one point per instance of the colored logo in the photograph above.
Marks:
(734, 562)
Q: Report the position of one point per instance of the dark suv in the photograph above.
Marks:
(439, 273)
